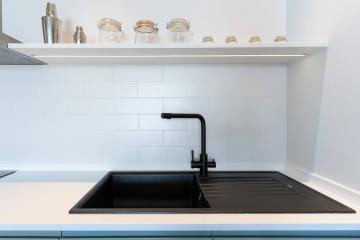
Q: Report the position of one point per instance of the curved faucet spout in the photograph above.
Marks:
(203, 162)
(191, 115)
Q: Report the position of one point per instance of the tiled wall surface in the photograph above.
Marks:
(109, 116)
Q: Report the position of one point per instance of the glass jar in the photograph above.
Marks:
(281, 39)
(231, 39)
(208, 39)
(179, 30)
(146, 31)
(110, 31)
(255, 39)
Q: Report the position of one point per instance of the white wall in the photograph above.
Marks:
(337, 149)
(304, 95)
(218, 18)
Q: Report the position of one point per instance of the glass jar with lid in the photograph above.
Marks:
(179, 30)
(110, 31)
(146, 31)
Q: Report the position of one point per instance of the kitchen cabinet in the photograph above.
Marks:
(152, 238)
(138, 235)
(279, 238)
(239, 238)
(29, 238)
(284, 238)
(124, 235)
(34, 235)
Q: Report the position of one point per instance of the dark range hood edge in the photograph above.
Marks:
(9, 56)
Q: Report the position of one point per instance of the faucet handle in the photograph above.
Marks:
(195, 163)
(212, 163)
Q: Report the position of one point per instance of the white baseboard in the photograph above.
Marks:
(323, 183)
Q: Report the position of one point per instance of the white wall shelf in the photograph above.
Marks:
(167, 53)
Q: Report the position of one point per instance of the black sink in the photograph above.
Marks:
(220, 192)
(143, 192)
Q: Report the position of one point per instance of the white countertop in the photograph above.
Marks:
(40, 201)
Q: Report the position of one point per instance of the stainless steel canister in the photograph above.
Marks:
(79, 35)
(51, 25)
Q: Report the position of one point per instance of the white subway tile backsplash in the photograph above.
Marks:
(167, 156)
(103, 138)
(218, 122)
(7, 105)
(102, 106)
(39, 106)
(8, 87)
(194, 72)
(27, 88)
(271, 137)
(118, 158)
(107, 89)
(236, 88)
(162, 89)
(74, 73)
(139, 72)
(205, 72)
(186, 138)
(256, 113)
(188, 105)
(115, 122)
(140, 138)
(77, 106)
(109, 115)
(212, 89)
(232, 137)
(59, 88)
(139, 105)
(271, 153)
(231, 154)
(69, 122)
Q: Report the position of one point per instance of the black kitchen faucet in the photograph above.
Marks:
(202, 163)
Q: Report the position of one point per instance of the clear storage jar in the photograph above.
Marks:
(179, 30)
(110, 31)
(146, 31)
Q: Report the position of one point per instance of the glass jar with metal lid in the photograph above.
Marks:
(110, 31)
(146, 31)
(179, 30)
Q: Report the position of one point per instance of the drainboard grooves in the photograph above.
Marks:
(247, 186)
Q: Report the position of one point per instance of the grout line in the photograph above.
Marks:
(114, 105)
(162, 72)
(137, 88)
(164, 138)
(138, 117)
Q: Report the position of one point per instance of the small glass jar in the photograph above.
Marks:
(179, 30)
(208, 39)
(231, 39)
(110, 31)
(255, 39)
(146, 31)
(281, 39)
